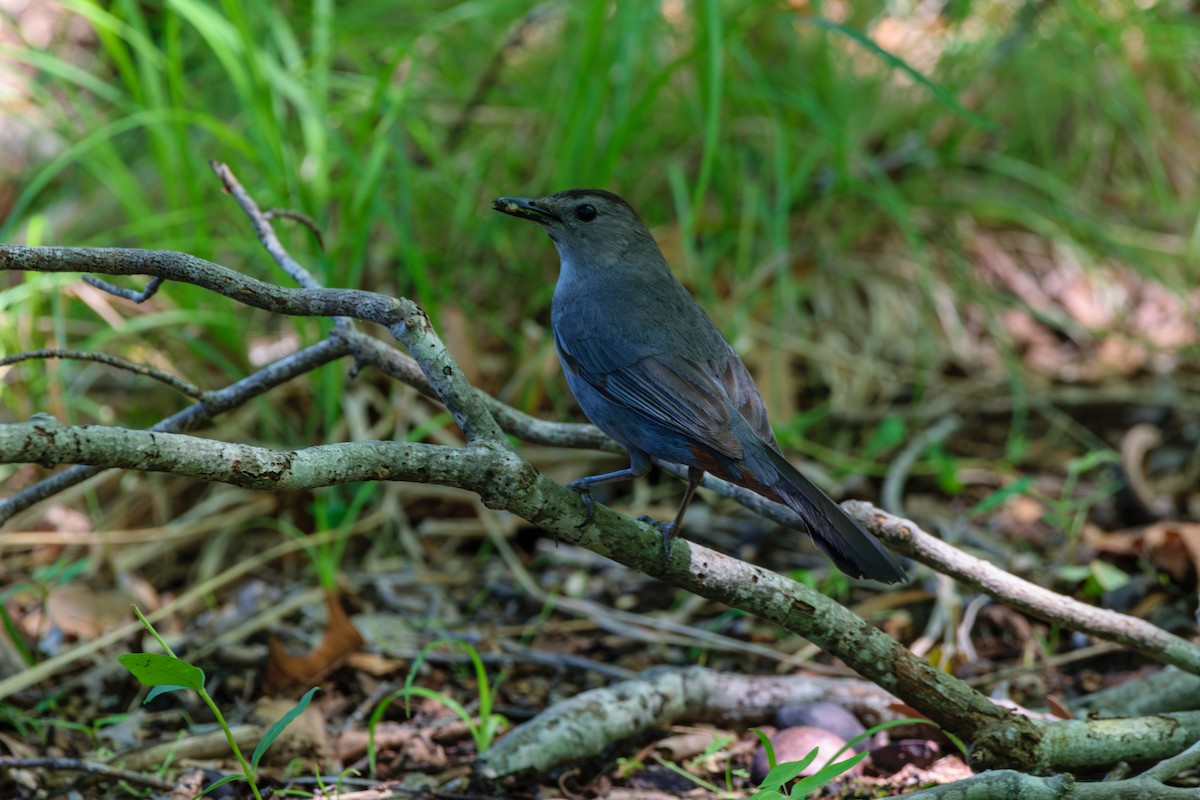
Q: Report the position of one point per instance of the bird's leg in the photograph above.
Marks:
(639, 465)
(671, 529)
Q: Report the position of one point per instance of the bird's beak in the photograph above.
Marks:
(526, 208)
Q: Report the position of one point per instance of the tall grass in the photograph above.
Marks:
(775, 152)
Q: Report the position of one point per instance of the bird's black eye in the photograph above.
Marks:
(585, 212)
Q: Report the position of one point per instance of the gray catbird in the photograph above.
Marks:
(651, 370)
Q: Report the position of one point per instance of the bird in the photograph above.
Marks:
(650, 368)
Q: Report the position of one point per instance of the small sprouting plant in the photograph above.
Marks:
(774, 785)
(165, 672)
(483, 730)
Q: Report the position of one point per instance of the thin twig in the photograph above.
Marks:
(266, 234)
(178, 384)
(1023, 595)
(401, 366)
(190, 418)
(365, 349)
(151, 289)
(297, 216)
(405, 320)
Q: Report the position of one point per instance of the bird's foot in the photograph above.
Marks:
(585, 494)
(669, 531)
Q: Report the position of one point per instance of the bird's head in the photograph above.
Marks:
(588, 226)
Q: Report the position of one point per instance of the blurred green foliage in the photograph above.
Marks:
(773, 146)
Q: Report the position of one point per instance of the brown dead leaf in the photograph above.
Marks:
(190, 784)
(341, 638)
(1189, 534)
(18, 747)
(1125, 543)
(1171, 546)
(140, 591)
(352, 744)
(1026, 509)
(67, 520)
(946, 770)
(373, 664)
(1117, 321)
(86, 613)
(1119, 354)
(1058, 708)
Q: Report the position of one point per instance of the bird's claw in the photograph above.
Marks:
(669, 531)
(586, 495)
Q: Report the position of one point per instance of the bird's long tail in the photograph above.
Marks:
(855, 551)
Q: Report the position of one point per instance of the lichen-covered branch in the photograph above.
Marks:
(506, 481)
(44, 440)
(403, 318)
(584, 725)
(907, 537)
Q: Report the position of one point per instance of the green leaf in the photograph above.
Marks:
(156, 669)
(222, 782)
(277, 728)
(159, 691)
(940, 92)
(1107, 576)
(891, 432)
(765, 741)
(826, 774)
(1074, 572)
(788, 771)
(767, 794)
(715, 746)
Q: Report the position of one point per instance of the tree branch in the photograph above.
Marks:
(506, 481)
(185, 268)
(44, 440)
(266, 234)
(1035, 600)
(404, 318)
(488, 466)
(176, 383)
(190, 418)
(369, 350)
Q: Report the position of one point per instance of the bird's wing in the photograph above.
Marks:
(695, 399)
(743, 391)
